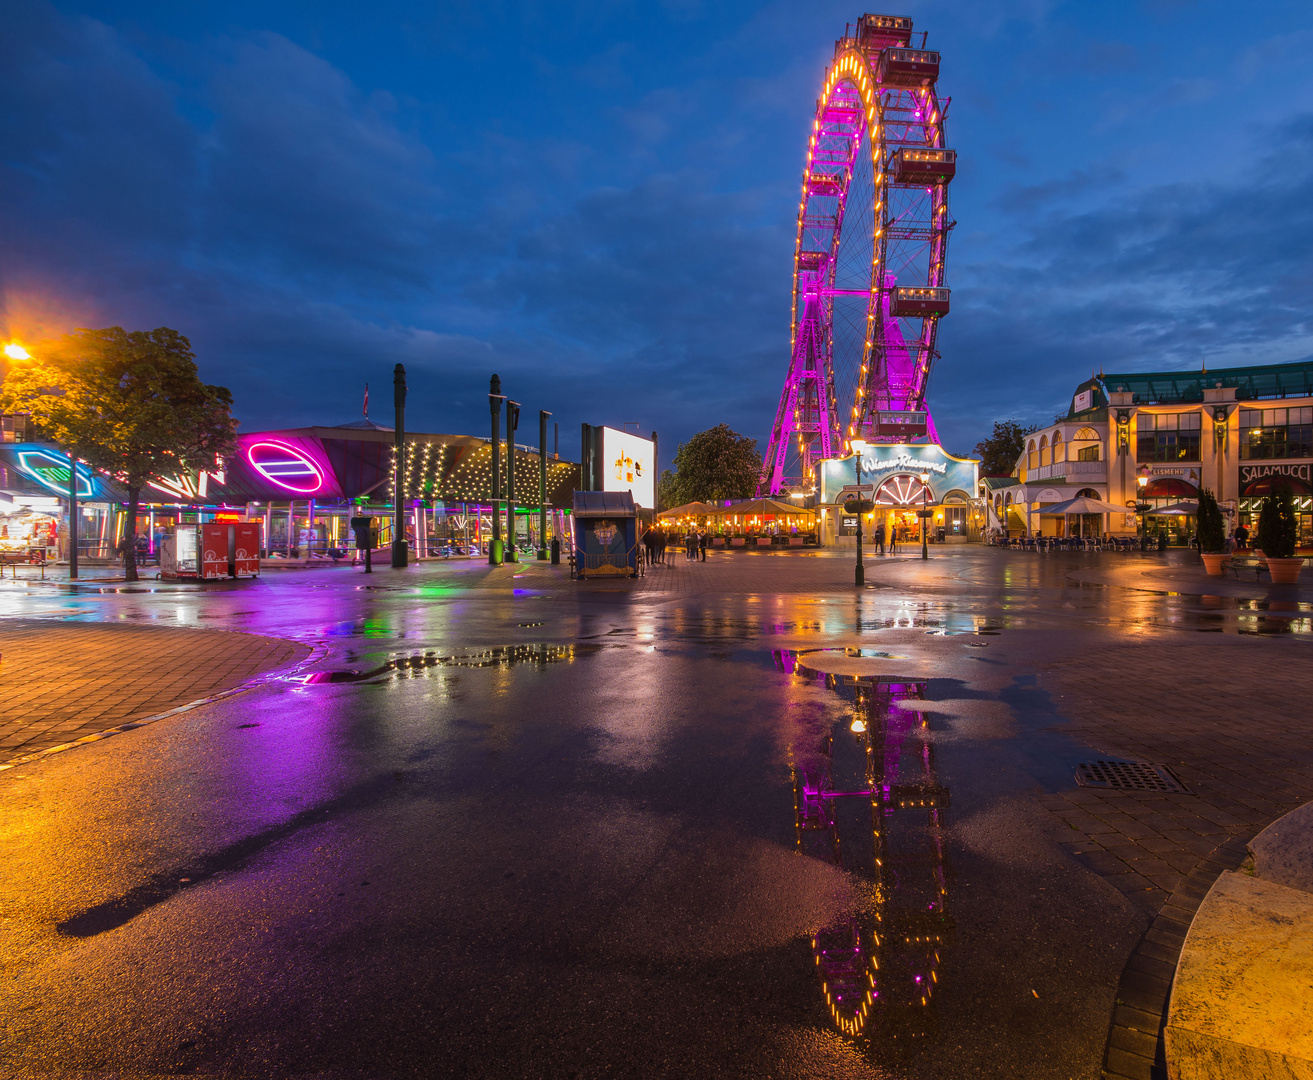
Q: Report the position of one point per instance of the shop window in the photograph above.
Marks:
(1276, 433)
(1168, 437)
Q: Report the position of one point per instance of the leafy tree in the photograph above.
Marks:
(1278, 528)
(1212, 530)
(668, 491)
(714, 465)
(998, 454)
(130, 404)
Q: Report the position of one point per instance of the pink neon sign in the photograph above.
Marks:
(286, 467)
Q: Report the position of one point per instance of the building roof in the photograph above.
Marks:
(1184, 387)
(616, 504)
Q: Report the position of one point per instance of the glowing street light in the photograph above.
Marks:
(16, 352)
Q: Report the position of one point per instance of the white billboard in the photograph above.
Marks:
(628, 464)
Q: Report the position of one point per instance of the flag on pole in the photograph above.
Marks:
(366, 401)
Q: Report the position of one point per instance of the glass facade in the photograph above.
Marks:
(1168, 437)
(1268, 434)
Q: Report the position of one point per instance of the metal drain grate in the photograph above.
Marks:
(1128, 776)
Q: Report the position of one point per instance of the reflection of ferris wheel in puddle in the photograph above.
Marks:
(887, 957)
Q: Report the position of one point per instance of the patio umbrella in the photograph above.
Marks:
(1181, 509)
(1084, 505)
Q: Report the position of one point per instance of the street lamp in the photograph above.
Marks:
(925, 515)
(16, 352)
(1142, 475)
(859, 448)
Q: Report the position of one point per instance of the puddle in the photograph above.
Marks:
(499, 656)
(867, 800)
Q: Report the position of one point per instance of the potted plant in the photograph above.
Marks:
(1278, 532)
(1212, 535)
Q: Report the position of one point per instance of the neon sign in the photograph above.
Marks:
(285, 467)
(52, 472)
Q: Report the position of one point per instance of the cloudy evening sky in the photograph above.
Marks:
(597, 200)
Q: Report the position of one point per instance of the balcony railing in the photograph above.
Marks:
(1084, 470)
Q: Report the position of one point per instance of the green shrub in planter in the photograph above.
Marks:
(1212, 532)
(1278, 528)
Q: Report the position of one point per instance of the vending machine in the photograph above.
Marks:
(215, 550)
(230, 549)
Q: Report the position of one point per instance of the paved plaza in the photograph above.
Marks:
(474, 821)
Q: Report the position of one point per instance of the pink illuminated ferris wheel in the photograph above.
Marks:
(868, 265)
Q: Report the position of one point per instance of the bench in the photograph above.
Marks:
(1257, 565)
(32, 557)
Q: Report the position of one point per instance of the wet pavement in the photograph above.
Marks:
(734, 819)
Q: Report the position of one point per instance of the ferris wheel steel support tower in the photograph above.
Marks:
(868, 265)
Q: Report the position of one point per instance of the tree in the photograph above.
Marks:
(1212, 530)
(714, 465)
(1278, 528)
(129, 404)
(667, 491)
(998, 454)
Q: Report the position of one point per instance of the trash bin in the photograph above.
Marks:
(556, 551)
(940, 532)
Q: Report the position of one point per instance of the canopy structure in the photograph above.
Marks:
(692, 509)
(758, 507)
(1084, 505)
(1181, 509)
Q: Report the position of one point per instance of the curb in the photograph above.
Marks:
(1135, 1048)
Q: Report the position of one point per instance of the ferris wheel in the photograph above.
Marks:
(868, 264)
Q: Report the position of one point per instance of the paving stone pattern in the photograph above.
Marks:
(61, 681)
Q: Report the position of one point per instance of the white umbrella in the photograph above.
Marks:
(1181, 509)
(1085, 505)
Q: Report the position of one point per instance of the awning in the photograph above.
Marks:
(1183, 509)
(1170, 487)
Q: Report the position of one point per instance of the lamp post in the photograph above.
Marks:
(859, 448)
(512, 425)
(925, 515)
(399, 550)
(495, 398)
(543, 414)
(1142, 475)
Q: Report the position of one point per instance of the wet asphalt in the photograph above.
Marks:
(555, 833)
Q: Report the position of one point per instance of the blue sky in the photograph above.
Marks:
(597, 200)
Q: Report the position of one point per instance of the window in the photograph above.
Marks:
(1168, 437)
(1087, 453)
(1032, 458)
(1276, 433)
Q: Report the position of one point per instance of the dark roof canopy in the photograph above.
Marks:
(1184, 387)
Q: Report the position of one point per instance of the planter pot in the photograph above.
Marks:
(1215, 563)
(1284, 571)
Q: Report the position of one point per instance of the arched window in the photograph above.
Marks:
(1032, 458)
(1058, 453)
(1087, 433)
(1088, 493)
(1044, 458)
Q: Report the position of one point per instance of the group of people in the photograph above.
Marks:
(878, 537)
(656, 541)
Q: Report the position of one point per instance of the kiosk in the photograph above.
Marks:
(605, 534)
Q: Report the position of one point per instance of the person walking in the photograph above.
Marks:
(702, 545)
(879, 537)
(1241, 536)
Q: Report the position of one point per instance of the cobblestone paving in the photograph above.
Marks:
(61, 681)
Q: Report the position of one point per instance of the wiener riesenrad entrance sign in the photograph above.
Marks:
(892, 472)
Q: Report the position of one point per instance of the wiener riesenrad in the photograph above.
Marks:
(868, 267)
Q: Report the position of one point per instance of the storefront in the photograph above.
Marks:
(903, 481)
(1257, 481)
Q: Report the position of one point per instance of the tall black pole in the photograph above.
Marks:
(72, 516)
(925, 517)
(399, 549)
(543, 414)
(495, 398)
(512, 424)
(656, 478)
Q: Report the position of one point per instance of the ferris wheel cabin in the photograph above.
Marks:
(914, 302)
(912, 166)
(884, 30)
(908, 67)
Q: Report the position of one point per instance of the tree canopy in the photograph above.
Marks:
(998, 454)
(131, 404)
(714, 465)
